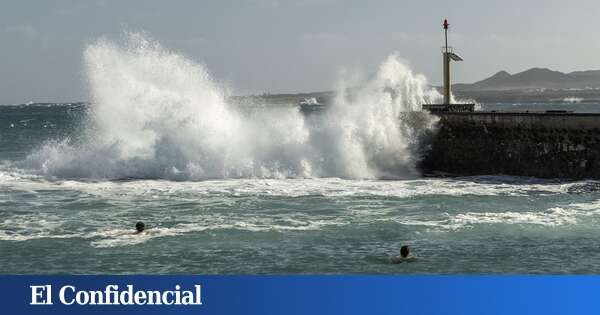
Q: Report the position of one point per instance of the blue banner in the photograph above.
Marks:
(300, 294)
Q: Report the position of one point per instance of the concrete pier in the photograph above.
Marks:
(538, 144)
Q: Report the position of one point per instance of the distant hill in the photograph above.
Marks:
(534, 78)
(533, 85)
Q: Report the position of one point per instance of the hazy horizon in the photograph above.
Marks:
(258, 46)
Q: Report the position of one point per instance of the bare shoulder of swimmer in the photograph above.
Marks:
(396, 259)
(400, 259)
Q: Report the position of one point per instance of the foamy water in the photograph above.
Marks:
(157, 114)
(295, 225)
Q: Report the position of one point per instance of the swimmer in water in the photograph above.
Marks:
(405, 256)
(139, 227)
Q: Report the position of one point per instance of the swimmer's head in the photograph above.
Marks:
(404, 251)
(140, 226)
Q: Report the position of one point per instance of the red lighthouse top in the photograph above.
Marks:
(446, 24)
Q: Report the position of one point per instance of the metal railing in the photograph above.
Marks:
(448, 49)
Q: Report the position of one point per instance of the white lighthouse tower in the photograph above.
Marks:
(448, 56)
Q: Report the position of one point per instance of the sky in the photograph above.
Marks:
(281, 46)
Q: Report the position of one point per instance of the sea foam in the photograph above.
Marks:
(157, 114)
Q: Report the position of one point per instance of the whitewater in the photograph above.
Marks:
(156, 114)
(252, 187)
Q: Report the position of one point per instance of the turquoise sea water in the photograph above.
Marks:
(61, 222)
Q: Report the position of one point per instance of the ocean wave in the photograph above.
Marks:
(105, 229)
(16, 179)
(158, 115)
(571, 214)
(25, 227)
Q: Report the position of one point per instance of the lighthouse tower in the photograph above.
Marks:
(448, 56)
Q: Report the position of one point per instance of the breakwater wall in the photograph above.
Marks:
(539, 144)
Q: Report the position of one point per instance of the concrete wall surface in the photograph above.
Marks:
(546, 145)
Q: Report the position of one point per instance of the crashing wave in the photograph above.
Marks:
(157, 114)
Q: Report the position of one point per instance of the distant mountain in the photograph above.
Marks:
(534, 78)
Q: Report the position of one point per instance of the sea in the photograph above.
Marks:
(264, 189)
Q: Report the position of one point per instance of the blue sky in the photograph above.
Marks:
(256, 46)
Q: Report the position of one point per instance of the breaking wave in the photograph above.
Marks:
(573, 100)
(157, 114)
